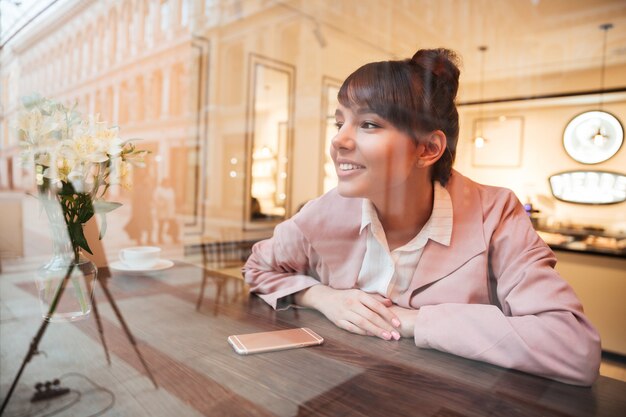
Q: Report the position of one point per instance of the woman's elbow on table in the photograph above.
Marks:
(587, 363)
(578, 353)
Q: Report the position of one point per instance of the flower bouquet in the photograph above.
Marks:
(76, 160)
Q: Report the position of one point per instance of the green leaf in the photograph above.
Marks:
(102, 207)
(78, 236)
(67, 189)
(85, 208)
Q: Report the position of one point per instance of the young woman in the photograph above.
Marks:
(407, 247)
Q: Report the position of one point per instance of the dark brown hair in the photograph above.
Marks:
(416, 95)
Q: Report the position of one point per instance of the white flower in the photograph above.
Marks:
(77, 178)
(109, 141)
(43, 159)
(115, 147)
(35, 128)
(87, 153)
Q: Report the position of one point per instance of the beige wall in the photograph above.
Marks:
(543, 155)
(149, 82)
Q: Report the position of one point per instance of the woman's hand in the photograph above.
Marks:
(407, 318)
(353, 310)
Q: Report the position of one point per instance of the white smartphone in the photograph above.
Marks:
(245, 344)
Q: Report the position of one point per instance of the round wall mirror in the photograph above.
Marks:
(593, 137)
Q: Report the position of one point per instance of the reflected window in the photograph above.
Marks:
(330, 89)
(147, 24)
(165, 15)
(589, 187)
(184, 19)
(269, 146)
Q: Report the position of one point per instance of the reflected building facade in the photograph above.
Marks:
(235, 99)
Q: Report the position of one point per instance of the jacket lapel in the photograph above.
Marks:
(439, 261)
(333, 233)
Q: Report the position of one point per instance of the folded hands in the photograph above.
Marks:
(359, 312)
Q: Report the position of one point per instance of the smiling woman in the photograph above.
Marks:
(407, 247)
(371, 155)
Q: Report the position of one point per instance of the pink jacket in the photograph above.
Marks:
(492, 295)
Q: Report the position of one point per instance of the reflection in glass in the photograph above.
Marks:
(270, 142)
(589, 187)
(593, 137)
(330, 91)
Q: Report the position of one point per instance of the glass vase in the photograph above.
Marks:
(65, 284)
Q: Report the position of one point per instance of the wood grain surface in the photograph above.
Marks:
(349, 375)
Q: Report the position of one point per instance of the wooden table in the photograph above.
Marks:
(353, 375)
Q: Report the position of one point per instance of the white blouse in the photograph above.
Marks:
(390, 273)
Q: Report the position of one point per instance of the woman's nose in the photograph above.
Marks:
(344, 139)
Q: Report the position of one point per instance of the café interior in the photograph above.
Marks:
(227, 111)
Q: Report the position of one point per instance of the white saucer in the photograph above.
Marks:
(161, 265)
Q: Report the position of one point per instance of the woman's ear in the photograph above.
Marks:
(432, 148)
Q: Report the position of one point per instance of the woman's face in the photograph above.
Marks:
(373, 159)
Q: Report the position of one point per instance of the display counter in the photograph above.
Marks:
(586, 240)
(599, 280)
(593, 262)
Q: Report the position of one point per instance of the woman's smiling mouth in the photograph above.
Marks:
(349, 166)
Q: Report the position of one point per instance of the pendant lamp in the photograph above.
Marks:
(594, 136)
(479, 139)
(600, 136)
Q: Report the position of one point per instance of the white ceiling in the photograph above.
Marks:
(524, 37)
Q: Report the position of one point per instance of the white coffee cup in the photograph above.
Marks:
(140, 257)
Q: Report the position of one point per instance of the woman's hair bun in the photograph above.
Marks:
(441, 62)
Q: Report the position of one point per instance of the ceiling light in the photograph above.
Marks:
(479, 140)
(600, 137)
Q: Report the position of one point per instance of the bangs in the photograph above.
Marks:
(385, 88)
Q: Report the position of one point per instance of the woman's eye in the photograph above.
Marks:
(369, 125)
(338, 125)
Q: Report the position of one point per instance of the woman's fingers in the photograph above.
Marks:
(385, 301)
(356, 311)
(356, 324)
(371, 322)
(381, 310)
(346, 325)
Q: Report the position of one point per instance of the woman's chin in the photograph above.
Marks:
(349, 191)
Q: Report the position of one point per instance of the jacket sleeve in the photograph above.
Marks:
(278, 266)
(539, 326)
